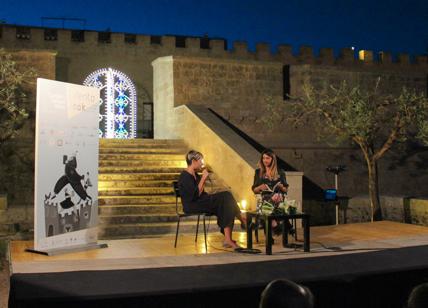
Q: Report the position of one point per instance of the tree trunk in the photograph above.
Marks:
(374, 191)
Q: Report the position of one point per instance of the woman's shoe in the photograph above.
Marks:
(234, 246)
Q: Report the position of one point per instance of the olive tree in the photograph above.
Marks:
(375, 121)
(14, 90)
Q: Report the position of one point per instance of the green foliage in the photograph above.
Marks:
(370, 118)
(14, 89)
(274, 113)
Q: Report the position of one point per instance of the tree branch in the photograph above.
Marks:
(398, 125)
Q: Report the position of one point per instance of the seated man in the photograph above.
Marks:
(196, 200)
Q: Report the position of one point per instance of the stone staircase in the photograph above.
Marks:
(135, 178)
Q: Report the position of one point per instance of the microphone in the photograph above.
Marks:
(210, 172)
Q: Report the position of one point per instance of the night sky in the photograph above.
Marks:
(394, 26)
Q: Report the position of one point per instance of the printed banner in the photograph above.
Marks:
(66, 165)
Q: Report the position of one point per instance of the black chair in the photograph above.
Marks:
(181, 214)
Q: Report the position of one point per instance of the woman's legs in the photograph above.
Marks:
(228, 238)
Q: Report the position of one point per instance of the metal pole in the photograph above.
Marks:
(336, 185)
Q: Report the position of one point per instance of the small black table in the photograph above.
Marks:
(268, 221)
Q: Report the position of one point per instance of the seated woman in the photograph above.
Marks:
(270, 182)
(196, 200)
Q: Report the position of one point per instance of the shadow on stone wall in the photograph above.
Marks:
(310, 189)
(407, 153)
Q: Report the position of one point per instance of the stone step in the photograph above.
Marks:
(142, 157)
(139, 169)
(149, 229)
(136, 197)
(143, 163)
(139, 150)
(135, 191)
(141, 142)
(152, 176)
(134, 183)
(103, 185)
(146, 218)
(138, 209)
(145, 199)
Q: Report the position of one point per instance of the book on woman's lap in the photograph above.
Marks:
(270, 190)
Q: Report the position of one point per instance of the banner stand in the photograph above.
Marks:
(65, 250)
(66, 168)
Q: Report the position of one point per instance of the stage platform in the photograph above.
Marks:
(352, 265)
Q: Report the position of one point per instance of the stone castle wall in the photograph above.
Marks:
(133, 54)
(236, 90)
(235, 82)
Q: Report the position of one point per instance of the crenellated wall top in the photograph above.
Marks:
(49, 38)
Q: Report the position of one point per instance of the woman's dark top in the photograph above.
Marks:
(265, 180)
(221, 204)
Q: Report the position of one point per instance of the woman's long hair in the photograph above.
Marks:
(273, 164)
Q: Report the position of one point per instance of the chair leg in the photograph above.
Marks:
(295, 229)
(197, 229)
(205, 236)
(176, 232)
(256, 231)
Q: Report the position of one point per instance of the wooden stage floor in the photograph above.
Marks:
(160, 252)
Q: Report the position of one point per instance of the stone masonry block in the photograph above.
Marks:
(326, 56)
(64, 36)
(263, 51)
(193, 43)
(347, 55)
(422, 60)
(37, 35)
(117, 39)
(3, 202)
(403, 59)
(240, 48)
(9, 34)
(217, 46)
(285, 54)
(143, 40)
(385, 57)
(168, 41)
(91, 37)
(306, 54)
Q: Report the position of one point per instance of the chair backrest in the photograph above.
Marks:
(176, 189)
(176, 193)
